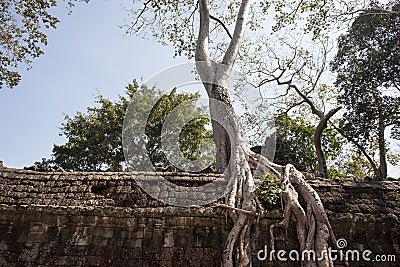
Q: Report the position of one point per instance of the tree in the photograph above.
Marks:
(173, 22)
(295, 143)
(22, 37)
(368, 76)
(94, 138)
(356, 165)
(323, 119)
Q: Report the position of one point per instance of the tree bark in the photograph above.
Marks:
(313, 228)
(382, 170)
(218, 89)
(322, 167)
(382, 152)
(323, 122)
(231, 153)
(221, 136)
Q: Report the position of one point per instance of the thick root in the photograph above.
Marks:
(243, 212)
(313, 228)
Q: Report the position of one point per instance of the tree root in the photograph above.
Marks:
(242, 211)
(313, 228)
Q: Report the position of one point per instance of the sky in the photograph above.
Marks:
(86, 55)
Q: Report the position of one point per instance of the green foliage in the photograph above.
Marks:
(294, 143)
(368, 67)
(268, 190)
(368, 76)
(175, 22)
(335, 174)
(314, 13)
(394, 158)
(94, 138)
(193, 134)
(21, 36)
(355, 165)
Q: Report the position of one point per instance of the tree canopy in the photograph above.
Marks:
(295, 145)
(24, 25)
(368, 79)
(94, 137)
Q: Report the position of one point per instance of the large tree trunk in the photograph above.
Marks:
(240, 199)
(382, 170)
(221, 136)
(322, 167)
(382, 174)
(313, 228)
(323, 123)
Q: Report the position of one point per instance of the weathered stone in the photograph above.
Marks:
(56, 219)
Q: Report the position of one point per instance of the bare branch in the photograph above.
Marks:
(222, 24)
(238, 35)
(293, 106)
(202, 51)
(358, 145)
(314, 110)
(133, 27)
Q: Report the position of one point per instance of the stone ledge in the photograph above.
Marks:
(113, 190)
(115, 211)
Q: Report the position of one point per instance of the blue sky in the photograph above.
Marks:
(87, 54)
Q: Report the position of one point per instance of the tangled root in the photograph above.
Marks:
(313, 228)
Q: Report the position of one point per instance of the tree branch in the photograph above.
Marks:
(306, 99)
(359, 147)
(322, 167)
(202, 53)
(314, 110)
(133, 27)
(222, 24)
(238, 34)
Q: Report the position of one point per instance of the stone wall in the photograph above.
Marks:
(104, 219)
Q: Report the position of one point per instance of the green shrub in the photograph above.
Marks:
(335, 174)
(268, 190)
